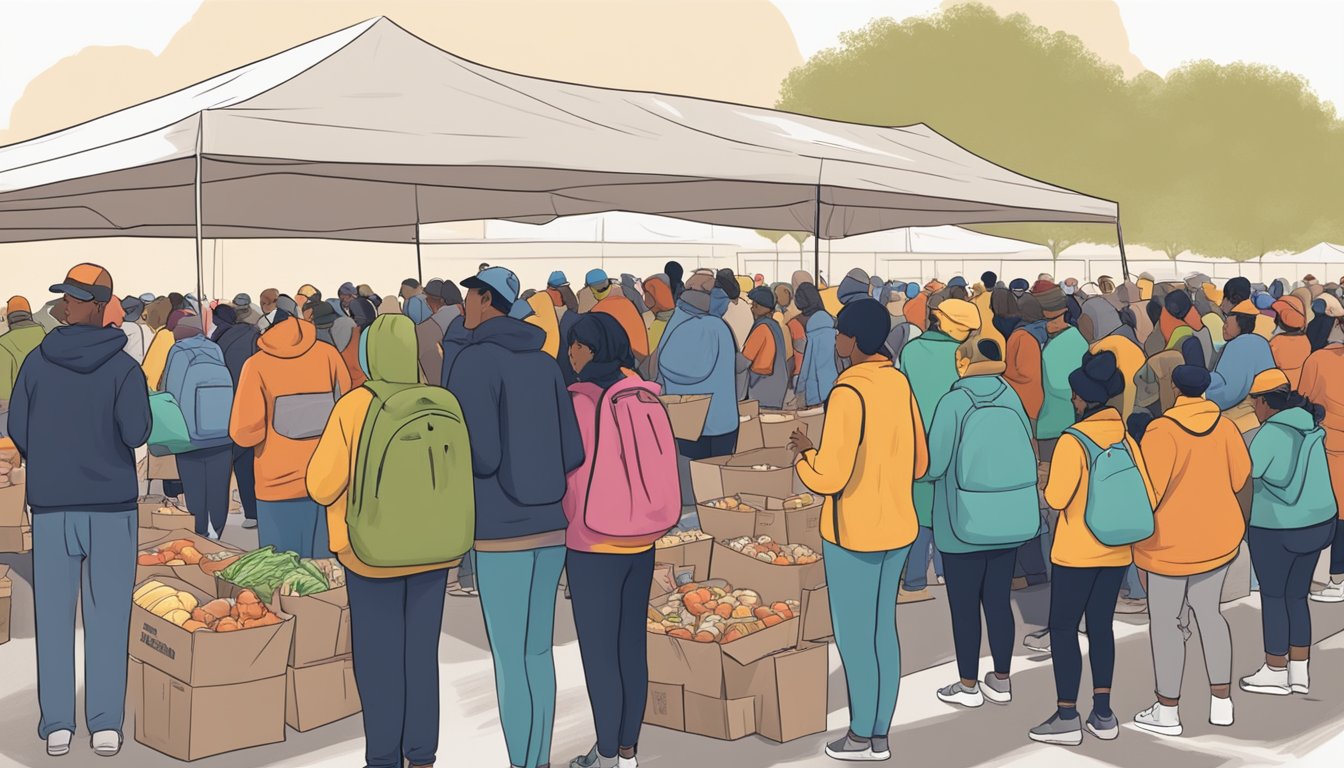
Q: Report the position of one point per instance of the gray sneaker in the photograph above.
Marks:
(996, 690)
(594, 760)
(249, 523)
(881, 749)
(1057, 730)
(854, 749)
(1104, 728)
(1038, 641)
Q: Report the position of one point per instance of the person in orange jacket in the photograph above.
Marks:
(1198, 461)
(1290, 345)
(285, 393)
(1322, 382)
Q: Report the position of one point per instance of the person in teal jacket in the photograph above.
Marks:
(1293, 512)
(1061, 356)
(930, 362)
(984, 508)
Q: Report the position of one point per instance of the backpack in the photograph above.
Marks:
(1119, 512)
(168, 431)
(998, 509)
(1290, 492)
(412, 496)
(635, 459)
(203, 387)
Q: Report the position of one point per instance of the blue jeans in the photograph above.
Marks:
(518, 600)
(863, 587)
(917, 567)
(299, 526)
(394, 633)
(63, 565)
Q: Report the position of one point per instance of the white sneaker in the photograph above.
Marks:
(58, 743)
(960, 695)
(106, 743)
(1270, 681)
(627, 762)
(1297, 676)
(1220, 711)
(1330, 593)
(1160, 719)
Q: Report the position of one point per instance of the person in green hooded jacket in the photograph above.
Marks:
(1293, 512)
(24, 335)
(930, 363)
(1061, 356)
(984, 508)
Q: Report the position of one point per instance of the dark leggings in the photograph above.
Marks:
(205, 480)
(977, 580)
(1075, 593)
(708, 446)
(1337, 550)
(1284, 561)
(610, 598)
(244, 471)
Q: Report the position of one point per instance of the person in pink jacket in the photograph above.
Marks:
(614, 519)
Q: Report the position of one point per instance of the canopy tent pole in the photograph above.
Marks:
(200, 249)
(419, 265)
(816, 241)
(1120, 238)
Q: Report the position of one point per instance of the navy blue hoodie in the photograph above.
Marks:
(524, 435)
(80, 409)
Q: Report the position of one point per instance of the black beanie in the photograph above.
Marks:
(727, 281)
(1237, 290)
(1178, 304)
(989, 280)
(1191, 380)
(1098, 379)
(867, 322)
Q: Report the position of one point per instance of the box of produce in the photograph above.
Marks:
(812, 418)
(777, 427)
(203, 641)
(312, 591)
(182, 555)
(795, 520)
(749, 436)
(146, 506)
(788, 691)
(727, 518)
(687, 413)
(687, 549)
(191, 722)
(781, 570)
(171, 517)
(320, 694)
(13, 508)
(667, 577)
(6, 603)
(16, 538)
(764, 472)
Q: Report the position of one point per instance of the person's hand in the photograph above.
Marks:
(799, 441)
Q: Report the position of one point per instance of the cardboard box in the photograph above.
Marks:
(16, 538)
(6, 603)
(688, 413)
(749, 436)
(202, 659)
(13, 506)
(162, 468)
(665, 706)
(321, 694)
(692, 554)
(788, 691)
(146, 506)
(787, 525)
(192, 574)
(170, 518)
(732, 475)
(727, 523)
(778, 582)
(191, 722)
(321, 622)
(777, 427)
(726, 719)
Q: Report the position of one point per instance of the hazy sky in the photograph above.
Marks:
(1301, 36)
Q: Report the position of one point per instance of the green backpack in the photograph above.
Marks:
(412, 495)
(168, 428)
(1119, 512)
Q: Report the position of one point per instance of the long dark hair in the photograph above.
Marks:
(1282, 399)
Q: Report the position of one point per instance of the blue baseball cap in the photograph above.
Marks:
(498, 280)
(1019, 284)
(957, 281)
(911, 290)
(596, 277)
(557, 279)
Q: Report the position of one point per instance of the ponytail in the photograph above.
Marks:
(1283, 399)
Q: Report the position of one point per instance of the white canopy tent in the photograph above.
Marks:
(1091, 260)
(367, 132)
(1324, 260)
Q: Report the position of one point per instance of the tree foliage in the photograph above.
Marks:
(1231, 160)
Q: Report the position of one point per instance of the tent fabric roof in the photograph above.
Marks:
(365, 132)
(623, 227)
(1323, 253)
(932, 240)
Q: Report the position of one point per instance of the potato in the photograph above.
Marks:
(680, 632)
(228, 624)
(655, 628)
(249, 605)
(217, 609)
(145, 559)
(190, 555)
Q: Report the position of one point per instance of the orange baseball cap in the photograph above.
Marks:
(18, 304)
(86, 282)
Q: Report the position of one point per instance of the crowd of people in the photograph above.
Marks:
(1103, 438)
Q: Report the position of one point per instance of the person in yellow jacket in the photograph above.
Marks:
(156, 356)
(1087, 574)
(544, 317)
(1198, 461)
(873, 450)
(396, 614)
(1129, 358)
(988, 281)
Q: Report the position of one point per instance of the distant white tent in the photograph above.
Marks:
(1092, 260)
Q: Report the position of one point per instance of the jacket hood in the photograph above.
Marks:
(509, 333)
(694, 303)
(718, 302)
(1297, 419)
(852, 288)
(819, 321)
(392, 352)
(864, 372)
(82, 348)
(1105, 427)
(1195, 415)
(982, 388)
(288, 339)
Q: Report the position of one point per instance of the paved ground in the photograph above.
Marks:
(1298, 730)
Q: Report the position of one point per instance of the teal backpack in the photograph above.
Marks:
(412, 494)
(1119, 512)
(168, 431)
(997, 508)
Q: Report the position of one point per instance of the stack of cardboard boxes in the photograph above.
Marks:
(16, 527)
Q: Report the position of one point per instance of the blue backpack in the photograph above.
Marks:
(999, 507)
(1119, 512)
(198, 379)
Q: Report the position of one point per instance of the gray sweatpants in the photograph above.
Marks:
(1168, 597)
